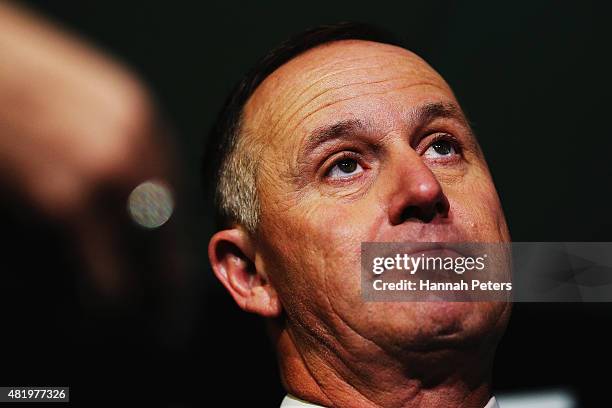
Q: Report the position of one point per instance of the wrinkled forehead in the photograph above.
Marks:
(330, 75)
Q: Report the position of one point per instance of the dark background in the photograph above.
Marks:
(533, 77)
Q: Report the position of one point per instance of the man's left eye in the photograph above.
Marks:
(440, 148)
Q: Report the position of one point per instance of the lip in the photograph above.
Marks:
(421, 234)
(436, 252)
(432, 247)
(429, 250)
(452, 249)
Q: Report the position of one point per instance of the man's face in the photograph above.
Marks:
(365, 142)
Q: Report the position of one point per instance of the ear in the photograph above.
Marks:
(232, 256)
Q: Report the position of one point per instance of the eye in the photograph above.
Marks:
(440, 148)
(345, 168)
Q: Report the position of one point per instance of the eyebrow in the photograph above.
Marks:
(338, 130)
(421, 116)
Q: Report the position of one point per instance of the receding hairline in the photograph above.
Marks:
(280, 74)
(272, 86)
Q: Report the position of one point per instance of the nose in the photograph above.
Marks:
(418, 196)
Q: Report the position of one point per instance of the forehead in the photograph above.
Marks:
(338, 79)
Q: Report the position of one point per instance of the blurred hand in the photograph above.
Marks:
(77, 133)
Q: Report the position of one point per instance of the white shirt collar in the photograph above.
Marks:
(292, 402)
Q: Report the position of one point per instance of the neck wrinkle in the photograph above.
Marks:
(310, 377)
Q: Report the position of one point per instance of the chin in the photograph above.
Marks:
(429, 326)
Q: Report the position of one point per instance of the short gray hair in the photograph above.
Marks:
(236, 194)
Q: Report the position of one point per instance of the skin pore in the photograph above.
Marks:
(360, 142)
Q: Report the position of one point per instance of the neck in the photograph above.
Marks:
(323, 373)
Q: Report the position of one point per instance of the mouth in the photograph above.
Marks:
(423, 249)
(415, 262)
(451, 249)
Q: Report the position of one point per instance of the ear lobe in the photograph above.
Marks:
(232, 256)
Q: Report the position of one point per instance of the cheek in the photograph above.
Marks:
(309, 237)
(337, 225)
(316, 249)
(477, 208)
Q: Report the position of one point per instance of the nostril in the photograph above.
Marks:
(428, 217)
(410, 212)
(440, 207)
(424, 214)
(414, 212)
